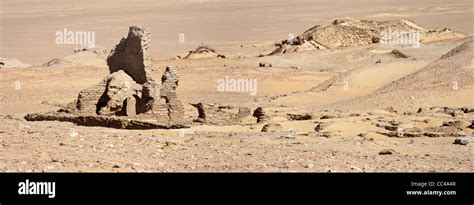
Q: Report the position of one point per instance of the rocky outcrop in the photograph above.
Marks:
(220, 115)
(456, 124)
(349, 32)
(425, 132)
(264, 64)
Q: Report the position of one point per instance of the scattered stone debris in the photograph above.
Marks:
(457, 124)
(259, 113)
(391, 126)
(428, 132)
(467, 109)
(129, 91)
(272, 127)
(103, 121)
(299, 116)
(391, 109)
(454, 112)
(262, 64)
(220, 115)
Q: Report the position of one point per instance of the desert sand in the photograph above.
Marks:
(330, 104)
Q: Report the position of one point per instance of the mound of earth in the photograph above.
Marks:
(203, 52)
(436, 84)
(349, 32)
(384, 68)
(81, 57)
(454, 66)
(12, 63)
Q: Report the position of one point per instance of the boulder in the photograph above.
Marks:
(272, 127)
(320, 126)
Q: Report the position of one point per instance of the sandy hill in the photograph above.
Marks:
(454, 67)
(447, 81)
(82, 57)
(349, 32)
(381, 68)
(203, 52)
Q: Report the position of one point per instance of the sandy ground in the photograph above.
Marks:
(241, 30)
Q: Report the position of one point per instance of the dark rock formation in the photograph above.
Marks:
(299, 117)
(259, 113)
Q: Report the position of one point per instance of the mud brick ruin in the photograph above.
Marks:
(128, 93)
(220, 115)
